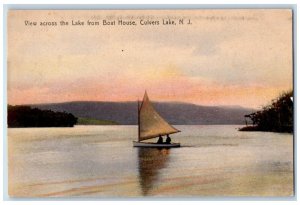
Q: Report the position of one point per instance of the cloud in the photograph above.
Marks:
(247, 55)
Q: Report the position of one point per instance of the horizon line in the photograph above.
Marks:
(132, 101)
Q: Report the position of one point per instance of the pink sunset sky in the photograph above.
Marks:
(239, 57)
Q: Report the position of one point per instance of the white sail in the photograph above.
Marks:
(151, 124)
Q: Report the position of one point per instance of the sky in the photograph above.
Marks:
(225, 57)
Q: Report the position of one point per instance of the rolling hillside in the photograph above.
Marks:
(125, 113)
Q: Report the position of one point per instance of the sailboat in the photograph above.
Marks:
(152, 125)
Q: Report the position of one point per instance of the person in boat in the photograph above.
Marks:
(160, 140)
(168, 140)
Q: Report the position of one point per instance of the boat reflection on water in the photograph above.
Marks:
(150, 161)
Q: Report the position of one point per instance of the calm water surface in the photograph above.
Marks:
(99, 161)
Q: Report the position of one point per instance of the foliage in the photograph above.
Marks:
(25, 116)
(276, 117)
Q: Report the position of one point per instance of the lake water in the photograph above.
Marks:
(99, 161)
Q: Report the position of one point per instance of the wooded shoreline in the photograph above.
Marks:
(25, 116)
(276, 117)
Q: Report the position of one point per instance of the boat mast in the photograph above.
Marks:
(138, 120)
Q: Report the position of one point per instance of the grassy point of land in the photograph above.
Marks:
(90, 121)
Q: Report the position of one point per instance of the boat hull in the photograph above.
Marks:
(154, 145)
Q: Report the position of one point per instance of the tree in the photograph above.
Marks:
(276, 117)
(25, 116)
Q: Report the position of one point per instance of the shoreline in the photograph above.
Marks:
(258, 129)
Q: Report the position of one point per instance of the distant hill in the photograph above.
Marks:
(177, 113)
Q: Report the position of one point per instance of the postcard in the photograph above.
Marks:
(150, 103)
